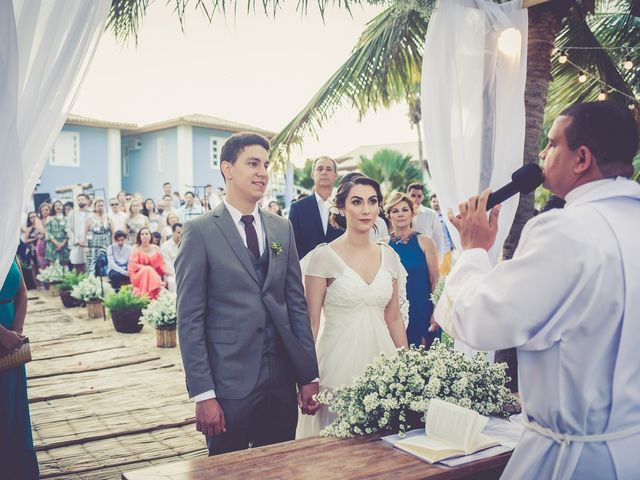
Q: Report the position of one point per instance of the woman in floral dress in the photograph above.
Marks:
(98, 235)
(57, 246)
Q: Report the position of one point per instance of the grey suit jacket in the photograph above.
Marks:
(221, 305)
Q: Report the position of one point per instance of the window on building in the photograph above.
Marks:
(215, 147)
(66, 150)
(160, 153)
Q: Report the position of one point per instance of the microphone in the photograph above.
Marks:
(524, 180)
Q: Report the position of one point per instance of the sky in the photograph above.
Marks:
(247, 68)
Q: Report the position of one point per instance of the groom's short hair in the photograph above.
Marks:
(234, 145)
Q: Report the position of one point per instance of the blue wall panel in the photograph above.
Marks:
(92, 168)
(144, 176)
(203, 174)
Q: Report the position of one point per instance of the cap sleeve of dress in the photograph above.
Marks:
(322, 262)
(394, 266)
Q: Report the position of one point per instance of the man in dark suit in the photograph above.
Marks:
(310, 216)
(245, 336)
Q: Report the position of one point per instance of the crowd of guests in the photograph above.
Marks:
(131, 240)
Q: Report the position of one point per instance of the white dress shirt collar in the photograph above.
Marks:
(237, 215)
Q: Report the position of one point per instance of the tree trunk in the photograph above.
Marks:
(544, 23)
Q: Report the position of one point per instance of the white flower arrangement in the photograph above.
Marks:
(53, 273)
(161, 312)
(90, 289)
(393, 392)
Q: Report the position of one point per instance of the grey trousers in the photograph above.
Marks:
(269, 414)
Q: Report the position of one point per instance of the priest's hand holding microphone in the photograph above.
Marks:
(478, 231)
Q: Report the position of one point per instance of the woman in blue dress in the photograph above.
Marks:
(17, 456)
(419, 257)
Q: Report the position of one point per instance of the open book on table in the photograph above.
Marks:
(451, 431)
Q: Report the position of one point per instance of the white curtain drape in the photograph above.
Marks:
(473, 80)
(45, 48)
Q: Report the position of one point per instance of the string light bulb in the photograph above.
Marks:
(628, 63)
(582, 77)
(563, 56)
(602, 95)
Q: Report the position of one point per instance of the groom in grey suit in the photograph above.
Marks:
(243, 325)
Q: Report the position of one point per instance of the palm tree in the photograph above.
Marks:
(392, 169)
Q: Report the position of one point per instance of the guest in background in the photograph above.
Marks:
(118, 254)
(28, 257)
(68, 208)
(445, 266)
(117, 218)
(156, 238)
(77, 233)
(274, 207)
(310, 216)
(211, 199)
(146, 266)
(44, 211)
(419, 258)
(56, 226)
(17, 455)
(124, 200)
(98, 235)
(167, 231)
(190, 209)
(169, 251)
(135, 221)
(426, 221)
(177, 201)
(149, 211)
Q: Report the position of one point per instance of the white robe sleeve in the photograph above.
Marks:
(524, 302)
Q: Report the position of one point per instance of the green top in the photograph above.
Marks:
(9, 290)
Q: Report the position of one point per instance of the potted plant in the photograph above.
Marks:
(92, 291)
(70, 280)
(126, 309)
(51, 277)
(161, 314)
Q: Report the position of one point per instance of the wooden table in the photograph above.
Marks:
(319, 458)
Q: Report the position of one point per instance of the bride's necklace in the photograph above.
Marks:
(398, 239)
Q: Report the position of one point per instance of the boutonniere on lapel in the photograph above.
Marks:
(276, 247)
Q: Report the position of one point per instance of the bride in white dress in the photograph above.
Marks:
(358, 284)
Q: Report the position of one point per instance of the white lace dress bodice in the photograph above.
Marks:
(353, 330)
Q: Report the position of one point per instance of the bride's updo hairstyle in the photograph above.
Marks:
(344, 187)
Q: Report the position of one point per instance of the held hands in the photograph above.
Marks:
(210, 418)
(306, 398)
(476, 231)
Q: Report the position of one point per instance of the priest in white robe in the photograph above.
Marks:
(569, 300)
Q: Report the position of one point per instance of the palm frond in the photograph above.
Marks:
(596, 31)
(126, 16)
(384, 67)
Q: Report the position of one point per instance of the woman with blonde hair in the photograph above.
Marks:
(419, 257)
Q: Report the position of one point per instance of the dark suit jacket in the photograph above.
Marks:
(307, 225)
(222, 305)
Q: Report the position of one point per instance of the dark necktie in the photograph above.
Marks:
(252, 237)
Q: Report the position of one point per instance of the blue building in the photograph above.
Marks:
(119, 156)
(86, 150)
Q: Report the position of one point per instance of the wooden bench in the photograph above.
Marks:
(320, 458)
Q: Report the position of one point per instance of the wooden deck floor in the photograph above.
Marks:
(103, 402)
